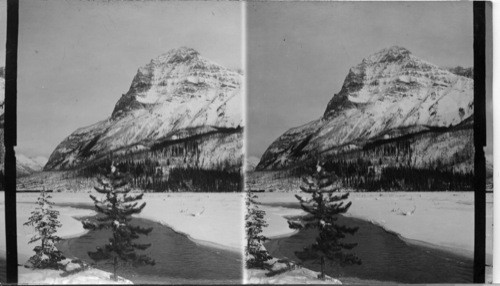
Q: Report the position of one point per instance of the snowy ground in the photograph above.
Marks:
(213, 219)
(201, 216)
(89, 277)
(70, 228)
(296, 276)
(440, 219)
(444, 220)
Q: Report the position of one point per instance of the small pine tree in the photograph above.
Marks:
(117, 207)
(323, 208)
(256, 254)
(46, 222)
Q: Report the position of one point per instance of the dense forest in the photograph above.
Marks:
(467, 72)
(363, 175)
(149, 175)
(395, 165)
(174, 165)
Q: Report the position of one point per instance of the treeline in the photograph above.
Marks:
(413, 179)
(199, 180)
(467, 72)
(365, 175)
(150, 175)
(137, 169)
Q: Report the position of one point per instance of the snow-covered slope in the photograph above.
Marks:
(29, 165)
(390, 94)
(176, 97)
(251, 162)
(40, 160)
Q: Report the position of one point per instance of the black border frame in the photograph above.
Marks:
(10, 138)
(479, 8)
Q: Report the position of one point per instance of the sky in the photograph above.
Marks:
(299, 53)
(76, 58)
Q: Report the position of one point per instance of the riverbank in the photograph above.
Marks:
(210, 219)
(202, 217)
(296, 276)
(70, 228)
(89, 277)
(383, 254)
(174, 254)
(443, 221)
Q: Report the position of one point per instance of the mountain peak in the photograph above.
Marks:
(391, 54)
(178, 73)
(394, 75)
(182, 54)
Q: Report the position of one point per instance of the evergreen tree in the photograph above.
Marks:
(46, 222)
(255, 252)
(117, 208)
(323, 208)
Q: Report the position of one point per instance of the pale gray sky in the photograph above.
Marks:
(76, 58)
(300, 52)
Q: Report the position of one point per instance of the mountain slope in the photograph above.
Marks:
(391, 100)
(27, 165)
(251, 162)
(181, 102)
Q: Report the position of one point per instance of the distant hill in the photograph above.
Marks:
(251, 163)
(28, 165)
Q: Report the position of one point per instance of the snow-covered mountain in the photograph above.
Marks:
(179, 105)
(390, 96)
(29, 165)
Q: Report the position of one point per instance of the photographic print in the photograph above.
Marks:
(129, 155)
(246, 142)
(361, 152)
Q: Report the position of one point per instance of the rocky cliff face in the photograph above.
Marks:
(390, 98)
(179, 104)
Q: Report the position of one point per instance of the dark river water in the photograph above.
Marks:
(385, 257)
(178, 259)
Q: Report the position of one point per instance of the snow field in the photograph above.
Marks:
(444, 219)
